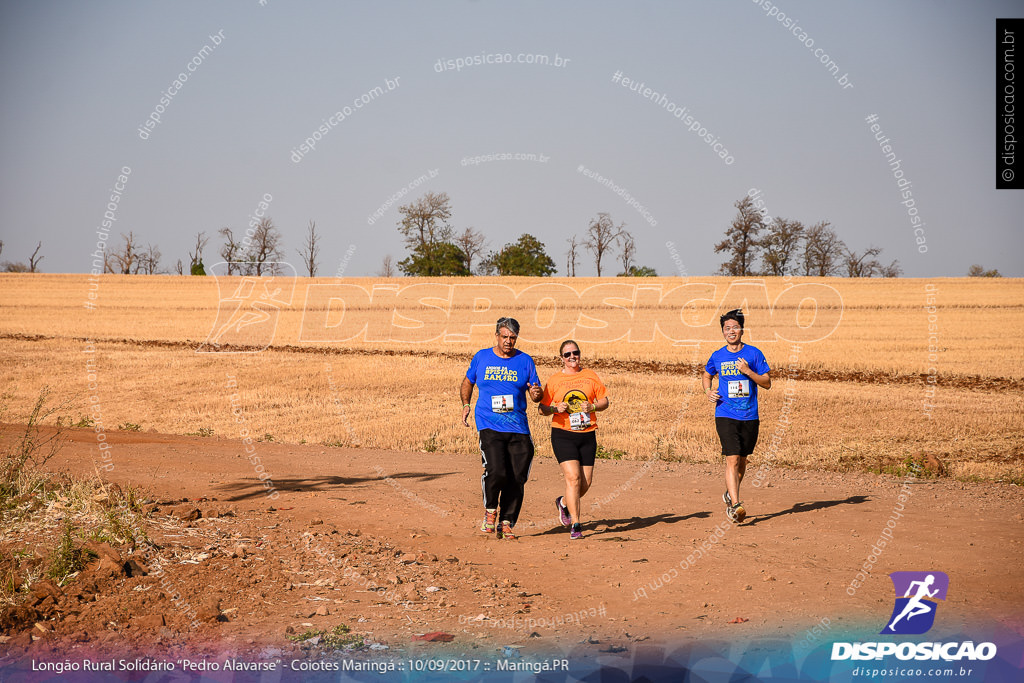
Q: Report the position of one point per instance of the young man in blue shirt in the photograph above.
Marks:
(741, 369)
(505, 377)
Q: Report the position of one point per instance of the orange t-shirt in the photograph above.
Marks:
(574, 390)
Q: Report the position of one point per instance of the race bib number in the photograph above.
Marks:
(502, 404)
(739, 388)
(579, 421)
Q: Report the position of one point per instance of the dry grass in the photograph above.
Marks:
(409, 400)
(45, 517)
(883, 324)
(412, 404)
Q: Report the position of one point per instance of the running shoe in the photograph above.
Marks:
(577, 531)
(736, 513)
(727, 499)
(563, 512)
(505, 531)
(490, 518)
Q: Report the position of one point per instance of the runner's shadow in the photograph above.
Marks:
(807, 507)
(252, 486)
(617, 526)
(614, 526)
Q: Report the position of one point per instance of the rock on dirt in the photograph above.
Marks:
(209, 611)
(186, 512)
(148, 622)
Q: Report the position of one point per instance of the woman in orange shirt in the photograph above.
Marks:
(572, 397)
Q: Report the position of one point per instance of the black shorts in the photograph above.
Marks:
(580, 446)
(738, 437)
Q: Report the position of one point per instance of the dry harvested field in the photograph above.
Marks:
(356, 504)
(868, 372)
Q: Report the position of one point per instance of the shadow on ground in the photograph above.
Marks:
(252, 486)
(619, 526)
(807, 507)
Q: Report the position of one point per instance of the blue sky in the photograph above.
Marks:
(79, 79)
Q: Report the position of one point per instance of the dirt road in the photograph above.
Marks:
(387, 543)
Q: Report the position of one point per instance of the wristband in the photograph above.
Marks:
(466, 405)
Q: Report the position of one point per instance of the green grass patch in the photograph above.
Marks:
(430, 445)
(334, 639)
(610, 453)
(67, 557)
(908, 467)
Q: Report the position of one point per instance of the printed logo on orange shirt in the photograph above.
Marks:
(575, 398)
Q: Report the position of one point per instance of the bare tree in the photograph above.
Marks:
(138, 266)
(864, 264)
(125, 259)
(265, 248)
(425, 223)
(571, 257)
(891, 270)
(822, 250)
(601, 235)
(471, 242)
(149, 260)
(196, 256)
(311, 250)
(19, 267)
(34, 259)
(387, 268)
(179, 268)
(779, 245)
(231, 251)
(628, 252)
(741, 239)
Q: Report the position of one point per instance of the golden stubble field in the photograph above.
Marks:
(867, 372)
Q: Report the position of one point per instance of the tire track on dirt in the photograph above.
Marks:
(956, 381)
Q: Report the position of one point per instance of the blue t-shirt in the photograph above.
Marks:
(501, 404)
(737, 391)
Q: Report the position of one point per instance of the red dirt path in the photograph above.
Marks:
(408, 522)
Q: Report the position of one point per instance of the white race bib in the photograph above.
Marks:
(579, 421)
(739, 388)
(502, 404)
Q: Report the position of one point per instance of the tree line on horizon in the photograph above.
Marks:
(756, 244)
(436, 249)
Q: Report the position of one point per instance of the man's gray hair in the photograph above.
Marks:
(510, 324)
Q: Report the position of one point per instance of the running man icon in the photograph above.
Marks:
(916, 596)
(915, 606)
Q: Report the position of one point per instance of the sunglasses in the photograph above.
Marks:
(569, 354)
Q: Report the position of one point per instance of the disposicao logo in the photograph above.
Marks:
(916, 595)
(913, 613)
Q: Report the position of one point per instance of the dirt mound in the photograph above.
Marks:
(206, 569)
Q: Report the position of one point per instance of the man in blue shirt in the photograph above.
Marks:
(505, 376)
(741, 369)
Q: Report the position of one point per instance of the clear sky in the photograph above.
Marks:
(80, 79)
